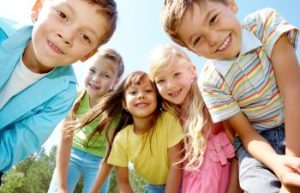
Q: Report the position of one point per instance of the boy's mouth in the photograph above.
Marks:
(54, 47)
(226, 44)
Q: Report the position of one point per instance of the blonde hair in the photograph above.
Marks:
(197, 116)
(172, 14)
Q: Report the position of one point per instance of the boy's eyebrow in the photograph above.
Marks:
(74, 12)
(208, 15)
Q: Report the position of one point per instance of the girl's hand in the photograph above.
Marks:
(69, 127)
(60, 190)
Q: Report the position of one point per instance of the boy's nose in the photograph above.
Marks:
(66, 37)
(212, 38)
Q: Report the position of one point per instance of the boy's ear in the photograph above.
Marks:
(233, 6)
(36, 9)
(89, 55)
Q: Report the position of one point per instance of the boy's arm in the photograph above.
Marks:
(256, 145)
(123, 180)
(175, 171)
(25, 137)
(287, 73)
(103, 173)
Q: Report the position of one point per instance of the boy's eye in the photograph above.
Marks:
(196, 41)
(86, 38)
(61, 14)
(213, 20)
(177, 74)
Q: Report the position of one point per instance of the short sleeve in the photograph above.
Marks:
(118, 155)
(217, 96)
(174, 130)
(268, 26)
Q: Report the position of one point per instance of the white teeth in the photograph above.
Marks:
(223, 46)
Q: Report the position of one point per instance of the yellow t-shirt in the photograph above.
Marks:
(152, 165)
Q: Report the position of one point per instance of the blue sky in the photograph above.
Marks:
(139, 30)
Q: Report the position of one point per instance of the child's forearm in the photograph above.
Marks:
(174, 179)
(103, 173)
(234, 185)
(125, 188)
(123, 180)
(62, 160)
(287, 72)
(253, 142)
(176, 169)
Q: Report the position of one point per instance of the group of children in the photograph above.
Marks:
(232, 130)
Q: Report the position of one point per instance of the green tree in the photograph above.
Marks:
(34, 174)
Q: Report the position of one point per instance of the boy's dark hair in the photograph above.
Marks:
(172, 14)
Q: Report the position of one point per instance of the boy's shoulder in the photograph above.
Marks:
(258, 16)
(209, 74)
(8, 26)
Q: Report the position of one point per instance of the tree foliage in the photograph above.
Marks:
(34, 174)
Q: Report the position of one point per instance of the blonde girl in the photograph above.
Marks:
(208, 152)
(144, 135)
(80, 155)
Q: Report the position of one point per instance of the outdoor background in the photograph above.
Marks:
(139, 31)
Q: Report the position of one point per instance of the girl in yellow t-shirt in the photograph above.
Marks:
(145, 135)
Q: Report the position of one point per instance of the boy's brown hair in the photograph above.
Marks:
(109, 11)
(172, 14)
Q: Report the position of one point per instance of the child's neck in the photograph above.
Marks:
(93, 100)
(142, 125)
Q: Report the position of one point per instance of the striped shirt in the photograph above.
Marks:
(247, 84)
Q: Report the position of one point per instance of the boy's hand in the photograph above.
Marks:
(288, 172)
(290, 179)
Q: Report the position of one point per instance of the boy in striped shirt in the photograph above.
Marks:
(251, 81)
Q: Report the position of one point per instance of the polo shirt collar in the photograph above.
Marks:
(249, 42)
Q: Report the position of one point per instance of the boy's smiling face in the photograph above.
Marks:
(65, 32)
(212, 30)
